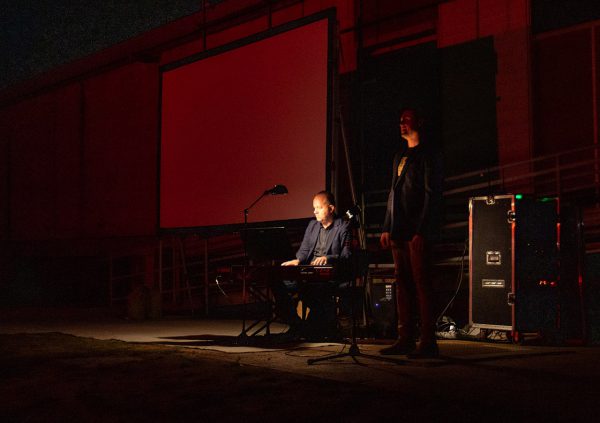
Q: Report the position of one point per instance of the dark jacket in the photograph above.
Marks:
(414, 200)
(338, 247)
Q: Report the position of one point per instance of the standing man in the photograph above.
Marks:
(410, 220)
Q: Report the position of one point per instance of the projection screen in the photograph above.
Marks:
(237, 121)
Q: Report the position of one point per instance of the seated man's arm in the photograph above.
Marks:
(305, 250)
(343, 248)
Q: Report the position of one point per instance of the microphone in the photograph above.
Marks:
(353, 212)
(277, 190)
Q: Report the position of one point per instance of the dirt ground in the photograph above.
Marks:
(58, 377)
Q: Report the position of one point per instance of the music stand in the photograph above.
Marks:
(276, 190)
(267, 244)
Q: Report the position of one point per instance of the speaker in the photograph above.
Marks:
(383, 306)
(521, 278)
(491, 262)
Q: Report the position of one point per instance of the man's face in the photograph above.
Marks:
(408, 123)
(322, 209)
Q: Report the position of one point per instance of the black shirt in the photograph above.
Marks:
(321, 247)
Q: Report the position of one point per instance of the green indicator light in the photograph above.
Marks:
(519, 196)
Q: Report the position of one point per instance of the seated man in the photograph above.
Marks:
(327, 241)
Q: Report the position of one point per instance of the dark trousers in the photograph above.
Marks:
(318, 297)
(413, 289)
(285, 293)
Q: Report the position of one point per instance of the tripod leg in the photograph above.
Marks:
(354, 352)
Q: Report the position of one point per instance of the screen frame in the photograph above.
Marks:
(330, 16)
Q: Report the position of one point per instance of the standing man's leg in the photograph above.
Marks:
(419, 262)
(406, 328)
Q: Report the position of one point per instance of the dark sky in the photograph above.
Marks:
(38, 35)
(554, 14)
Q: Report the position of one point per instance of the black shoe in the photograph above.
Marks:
(400, 347)
(429, 350)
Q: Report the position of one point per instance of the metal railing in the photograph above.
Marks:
(572, 175)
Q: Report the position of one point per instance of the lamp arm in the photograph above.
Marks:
(246, 210)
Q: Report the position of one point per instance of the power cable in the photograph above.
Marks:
(459, 284)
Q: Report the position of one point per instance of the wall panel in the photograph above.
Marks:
(563, 92)
(6, 117)
(469, 124)
(514, 104)
(40, 167)
(32, 164)
(68, 143)
(121, 109)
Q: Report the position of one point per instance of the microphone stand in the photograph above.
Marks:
(354, 351)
